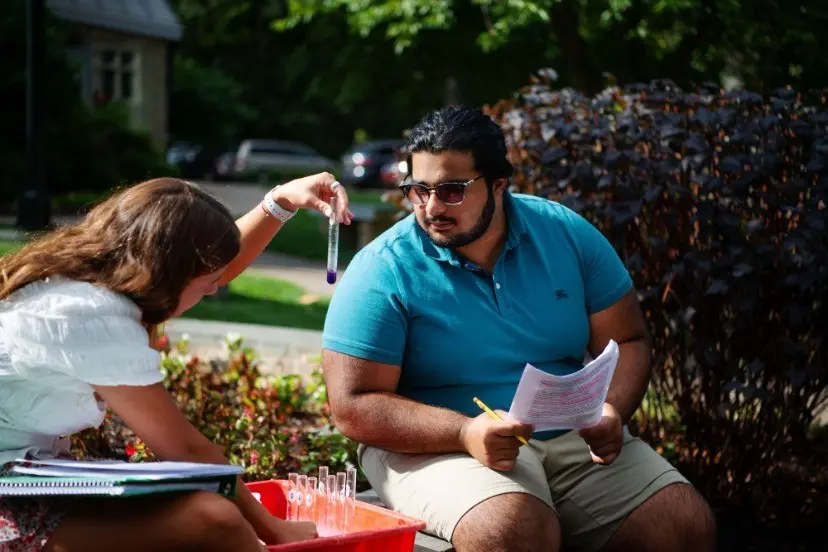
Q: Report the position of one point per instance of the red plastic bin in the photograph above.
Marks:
(372, 529)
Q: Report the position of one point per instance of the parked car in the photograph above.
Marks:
(224, 167)
(392, 174)
(278, 160)
(202, 162)
(192, 160)
(362, 164)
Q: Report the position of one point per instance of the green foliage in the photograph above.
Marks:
(112, 154)
(207, 106)
(759, 41)
(405, 20)
(317, 84)
(271, 425)
(716, 203)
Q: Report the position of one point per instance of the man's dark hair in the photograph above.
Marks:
(458, 128)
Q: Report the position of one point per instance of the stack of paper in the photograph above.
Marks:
(575, 401)
(115, 478)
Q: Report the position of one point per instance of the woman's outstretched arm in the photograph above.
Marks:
(259, 227)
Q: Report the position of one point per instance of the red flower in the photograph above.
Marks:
(254, 457)
(162, 343)
(130, 450)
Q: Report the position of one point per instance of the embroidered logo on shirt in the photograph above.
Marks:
(561, 294)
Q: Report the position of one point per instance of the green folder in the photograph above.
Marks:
(110, 479)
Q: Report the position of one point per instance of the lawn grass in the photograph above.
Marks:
(366, 197)
(9, 246)
(261, 300)
(306, 234)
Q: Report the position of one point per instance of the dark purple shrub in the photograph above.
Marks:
(717, 204)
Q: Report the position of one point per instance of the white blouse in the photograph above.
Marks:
(58, 338)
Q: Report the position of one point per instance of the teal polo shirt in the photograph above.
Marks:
(460, 332)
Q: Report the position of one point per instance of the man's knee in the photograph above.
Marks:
(675, 518)
(694, 518)
(514, 522)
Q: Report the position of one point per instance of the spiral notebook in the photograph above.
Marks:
(113, 478)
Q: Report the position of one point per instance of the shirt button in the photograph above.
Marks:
(497, 285)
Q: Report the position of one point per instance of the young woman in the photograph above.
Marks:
(77, 309)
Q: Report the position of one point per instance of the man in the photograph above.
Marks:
(450, 304)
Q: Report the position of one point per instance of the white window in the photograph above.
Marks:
(115, 75)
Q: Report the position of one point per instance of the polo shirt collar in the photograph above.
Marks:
(516, 226)
(515, 229)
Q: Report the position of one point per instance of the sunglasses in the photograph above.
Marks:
(450, 193)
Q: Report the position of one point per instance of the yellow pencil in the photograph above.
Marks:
(494, 415)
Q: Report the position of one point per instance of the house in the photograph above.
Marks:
(124, 51)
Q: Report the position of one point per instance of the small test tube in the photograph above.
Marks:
(302, 485)
(350, 495)
(310, 500)
(340, 501)
(333, 242)
(322, 498)
(332, 502)
(291, 505)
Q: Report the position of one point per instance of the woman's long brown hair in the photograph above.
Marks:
(147, 242)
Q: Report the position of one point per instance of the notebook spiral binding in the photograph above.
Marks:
(59, 483)
(99, 490)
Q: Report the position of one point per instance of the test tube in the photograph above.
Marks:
(302, 486)
(310, 500)
(291, 511)
(340, 502)
(350, 495)
(333, 242)
(332, 501)
(322, 498)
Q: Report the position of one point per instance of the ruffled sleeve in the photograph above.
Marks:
(72, 329)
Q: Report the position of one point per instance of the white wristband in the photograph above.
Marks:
(275, 209)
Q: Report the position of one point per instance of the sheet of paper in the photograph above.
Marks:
(574, 401)
(60, 467)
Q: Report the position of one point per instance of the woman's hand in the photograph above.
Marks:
(284, 532)
(314, 192)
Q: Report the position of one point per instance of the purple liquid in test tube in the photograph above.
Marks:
(333, 242)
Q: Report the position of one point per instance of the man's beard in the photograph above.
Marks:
(464, 238)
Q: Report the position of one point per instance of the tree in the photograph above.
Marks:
(316, 84)
(759, 41)
(207, 105)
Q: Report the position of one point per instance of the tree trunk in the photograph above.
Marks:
(577, 63)
(451, 94)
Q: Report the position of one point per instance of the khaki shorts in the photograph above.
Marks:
(591, 500)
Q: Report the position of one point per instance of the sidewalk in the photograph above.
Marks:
(281, 350)
(310, 275)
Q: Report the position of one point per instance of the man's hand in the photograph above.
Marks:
(606, 437)
(492, 442)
